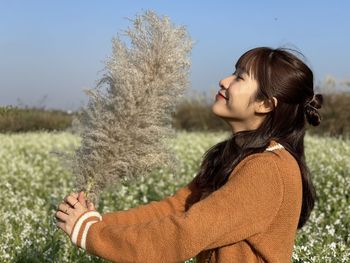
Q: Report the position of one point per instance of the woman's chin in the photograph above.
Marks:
(218, 115)
(215, 110)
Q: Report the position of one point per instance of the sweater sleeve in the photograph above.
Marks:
(177, 203)
(244, 206)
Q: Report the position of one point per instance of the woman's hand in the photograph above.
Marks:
(72, 207)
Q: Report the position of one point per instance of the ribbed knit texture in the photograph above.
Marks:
(252, 218)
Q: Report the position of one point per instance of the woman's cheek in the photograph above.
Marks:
(230, 104)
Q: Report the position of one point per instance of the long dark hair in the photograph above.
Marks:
(280, 74)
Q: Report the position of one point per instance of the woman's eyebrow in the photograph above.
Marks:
(241, 71)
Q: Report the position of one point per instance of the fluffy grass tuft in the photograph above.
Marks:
(125, 129)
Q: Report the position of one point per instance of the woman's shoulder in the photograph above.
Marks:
(275, 154)
(276, 159)
(260, 161)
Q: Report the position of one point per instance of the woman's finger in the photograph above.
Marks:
(74, 202)
(64, 207)
(82, 199)
(62, 216)
(75, 195)
(91, 206)
(62, 226)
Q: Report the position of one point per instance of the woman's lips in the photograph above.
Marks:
(219, 95)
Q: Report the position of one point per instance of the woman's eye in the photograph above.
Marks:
(238, 77)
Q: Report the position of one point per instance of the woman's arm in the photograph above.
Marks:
(175, 204)
(244, 206)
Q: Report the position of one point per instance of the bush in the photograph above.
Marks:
(14, 119)
(195, 114)
(192, 114)
(335, 116)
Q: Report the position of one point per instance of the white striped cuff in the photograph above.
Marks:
(82, 225)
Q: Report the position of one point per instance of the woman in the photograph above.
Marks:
(253, 190)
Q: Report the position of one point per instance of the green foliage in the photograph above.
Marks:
(194, 114)
(335, 114)
(14, 119)
(33, 183)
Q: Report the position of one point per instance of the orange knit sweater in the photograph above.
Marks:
(252, 218)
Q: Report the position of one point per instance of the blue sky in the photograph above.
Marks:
(51, 50)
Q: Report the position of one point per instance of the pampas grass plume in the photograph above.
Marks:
(124, 129)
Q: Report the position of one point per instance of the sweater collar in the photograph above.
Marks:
(273, 145)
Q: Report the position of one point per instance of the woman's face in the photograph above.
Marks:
(235, 106)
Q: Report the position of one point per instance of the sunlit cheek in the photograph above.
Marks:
(230, 104)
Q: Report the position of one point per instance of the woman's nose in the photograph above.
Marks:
(224, 83)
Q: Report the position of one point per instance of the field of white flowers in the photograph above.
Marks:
(33, 183)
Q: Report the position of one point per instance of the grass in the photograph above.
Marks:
(33, 183)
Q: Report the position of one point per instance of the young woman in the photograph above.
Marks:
(252, 193)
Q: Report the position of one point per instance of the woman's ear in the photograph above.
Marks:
(266, 105)
(275, 101)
